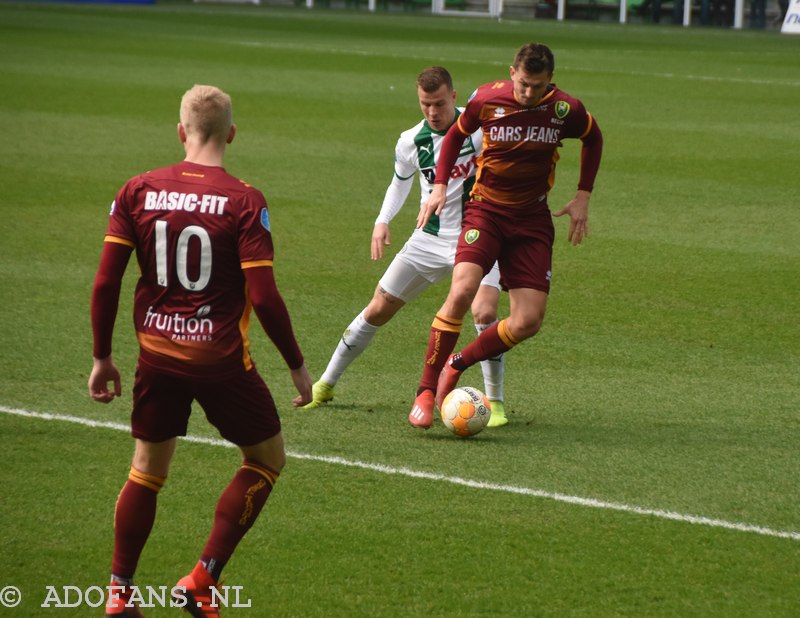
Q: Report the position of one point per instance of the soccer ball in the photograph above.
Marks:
(466, 411)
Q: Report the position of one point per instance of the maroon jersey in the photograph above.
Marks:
(520, 144)
(194, 229)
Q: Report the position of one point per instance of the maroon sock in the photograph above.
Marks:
(442, 341)
(237, 509)
(133, 521)
(492, 342)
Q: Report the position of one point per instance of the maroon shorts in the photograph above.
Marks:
(240, 407)
(520, 240)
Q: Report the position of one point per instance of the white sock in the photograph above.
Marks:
(354, 341)
(493, 371)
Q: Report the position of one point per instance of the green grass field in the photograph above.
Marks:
(651, 464)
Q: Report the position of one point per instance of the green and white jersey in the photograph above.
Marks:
(417, 151)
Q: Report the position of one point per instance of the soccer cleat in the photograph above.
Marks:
(196, 589)
(447, 381)
(118, 604)
(421, 414)
(498, 418)
(320, 393)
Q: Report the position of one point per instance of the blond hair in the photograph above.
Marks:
(206, 113)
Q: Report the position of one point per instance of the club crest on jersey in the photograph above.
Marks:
(562, 109)
(470, 236)
(265, 219)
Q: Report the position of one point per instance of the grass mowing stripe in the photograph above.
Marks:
(305, 48)
(408, 472)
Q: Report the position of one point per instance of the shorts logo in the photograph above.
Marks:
(470, 236)
(562, 109)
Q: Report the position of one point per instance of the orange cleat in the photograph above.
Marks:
(119, 604)
(421, 414)
(197, 587)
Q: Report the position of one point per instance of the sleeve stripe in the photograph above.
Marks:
(256, 264)
(588, 126)
(121, 241)
(460, 128)
(449, 325)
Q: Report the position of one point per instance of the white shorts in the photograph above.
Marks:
(424, 260)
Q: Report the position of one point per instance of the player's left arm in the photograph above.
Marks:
(578, 207)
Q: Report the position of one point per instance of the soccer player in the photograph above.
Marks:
(427, 256)
(524, 120)
(204, 246)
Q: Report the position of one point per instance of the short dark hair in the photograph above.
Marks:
(433, 78)
(535, 58)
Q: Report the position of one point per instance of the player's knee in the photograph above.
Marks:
(461, 297)
(484, 313)
(527, 327)
(269, 453)
(274, 461)
(153, 457)
(382, 308)
(532, 327)
(278, 461)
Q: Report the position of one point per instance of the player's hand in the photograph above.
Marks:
(104, 371)
(578, 211)
(380, 238)
(302, 382)
(433, 206)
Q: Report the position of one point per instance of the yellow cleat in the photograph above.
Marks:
(320, 393)
(499, 417)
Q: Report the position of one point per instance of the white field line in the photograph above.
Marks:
(408, 472)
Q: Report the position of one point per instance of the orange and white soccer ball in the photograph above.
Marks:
(466, 411)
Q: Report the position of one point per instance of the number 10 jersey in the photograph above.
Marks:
(194, 229)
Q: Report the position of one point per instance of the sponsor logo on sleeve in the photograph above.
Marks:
(265, 220)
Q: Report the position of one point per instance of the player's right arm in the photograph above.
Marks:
(271, 310)
(393, 201)
(105, 302)
(406, 166)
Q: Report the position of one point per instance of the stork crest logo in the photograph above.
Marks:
(470, 236)
(562, 109)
